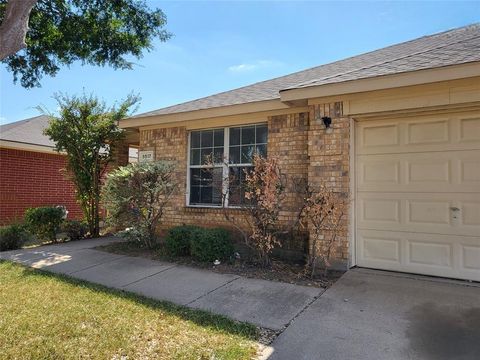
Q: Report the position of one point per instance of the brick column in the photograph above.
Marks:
(330, 162)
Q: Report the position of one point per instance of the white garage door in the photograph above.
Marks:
(418, 195)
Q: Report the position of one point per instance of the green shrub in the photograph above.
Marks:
(44, 222)
(13, 237)
(136, 197)
(74, 229)
(211, 244)
(177, 241)
(136, 236)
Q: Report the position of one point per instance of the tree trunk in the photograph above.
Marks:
(91, 222)
(96, 203)
(15, 26)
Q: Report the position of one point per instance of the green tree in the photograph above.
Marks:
(86, 130)
(39, 36)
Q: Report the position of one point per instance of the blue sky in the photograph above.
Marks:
(219, 46)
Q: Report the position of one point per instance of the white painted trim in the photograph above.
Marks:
(28, 147)
(225, 167)
(205, 206)
(187, 203)
(353, 176)
(256, 108)
(187, 192)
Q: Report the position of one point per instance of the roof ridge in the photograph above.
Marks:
(383, 62)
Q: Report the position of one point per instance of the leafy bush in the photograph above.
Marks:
(178, 240)
(210, 244)
(136, 235)
(44, 222)
(137, 195)
(13, 237)
(74, 229)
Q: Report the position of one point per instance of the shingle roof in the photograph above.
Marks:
(453, 47)
(28, 131)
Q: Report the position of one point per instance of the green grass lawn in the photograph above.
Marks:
(45, 316)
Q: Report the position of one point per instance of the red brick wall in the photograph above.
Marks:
(32, 179)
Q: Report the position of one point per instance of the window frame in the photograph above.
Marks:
(224, 165)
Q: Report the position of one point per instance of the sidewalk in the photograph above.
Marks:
(264, 303)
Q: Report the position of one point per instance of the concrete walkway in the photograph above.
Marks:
(380, 315)
(264, 303)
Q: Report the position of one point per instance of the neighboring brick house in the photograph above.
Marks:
(403, 144)
(31, 172)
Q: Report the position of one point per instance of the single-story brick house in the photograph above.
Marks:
(31, 171)
(403, 143)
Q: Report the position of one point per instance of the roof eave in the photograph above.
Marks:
(446, 73)
(246, 108)
(18, 145)
(289, 98)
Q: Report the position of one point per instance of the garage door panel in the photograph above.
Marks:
(427, 132)
(380, 248)
(381, 171)
(421, 170)
(418, 194)
(470, 171)
(380, 210)
(469, 129)
(428, 212)
(429, 253)
(433, 133)
(470, 213)
(379, 136)
(441, 255)
(471, 257)
(419, 212)
(453, 171)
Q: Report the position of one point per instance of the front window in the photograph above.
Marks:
(230, 150)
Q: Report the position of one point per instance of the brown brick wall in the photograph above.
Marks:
(287, 140)
(297, 140)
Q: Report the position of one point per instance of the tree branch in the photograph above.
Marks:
(15, 26)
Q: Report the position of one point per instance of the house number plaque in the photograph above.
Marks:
(146, 155)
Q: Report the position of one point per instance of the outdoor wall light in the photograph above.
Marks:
(327, 121)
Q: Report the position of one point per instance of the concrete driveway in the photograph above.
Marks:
(379, 315)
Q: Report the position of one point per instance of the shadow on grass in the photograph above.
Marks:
(198, 317)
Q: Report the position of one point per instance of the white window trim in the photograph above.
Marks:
(226, 167)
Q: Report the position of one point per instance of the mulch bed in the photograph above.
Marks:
(278, 271)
